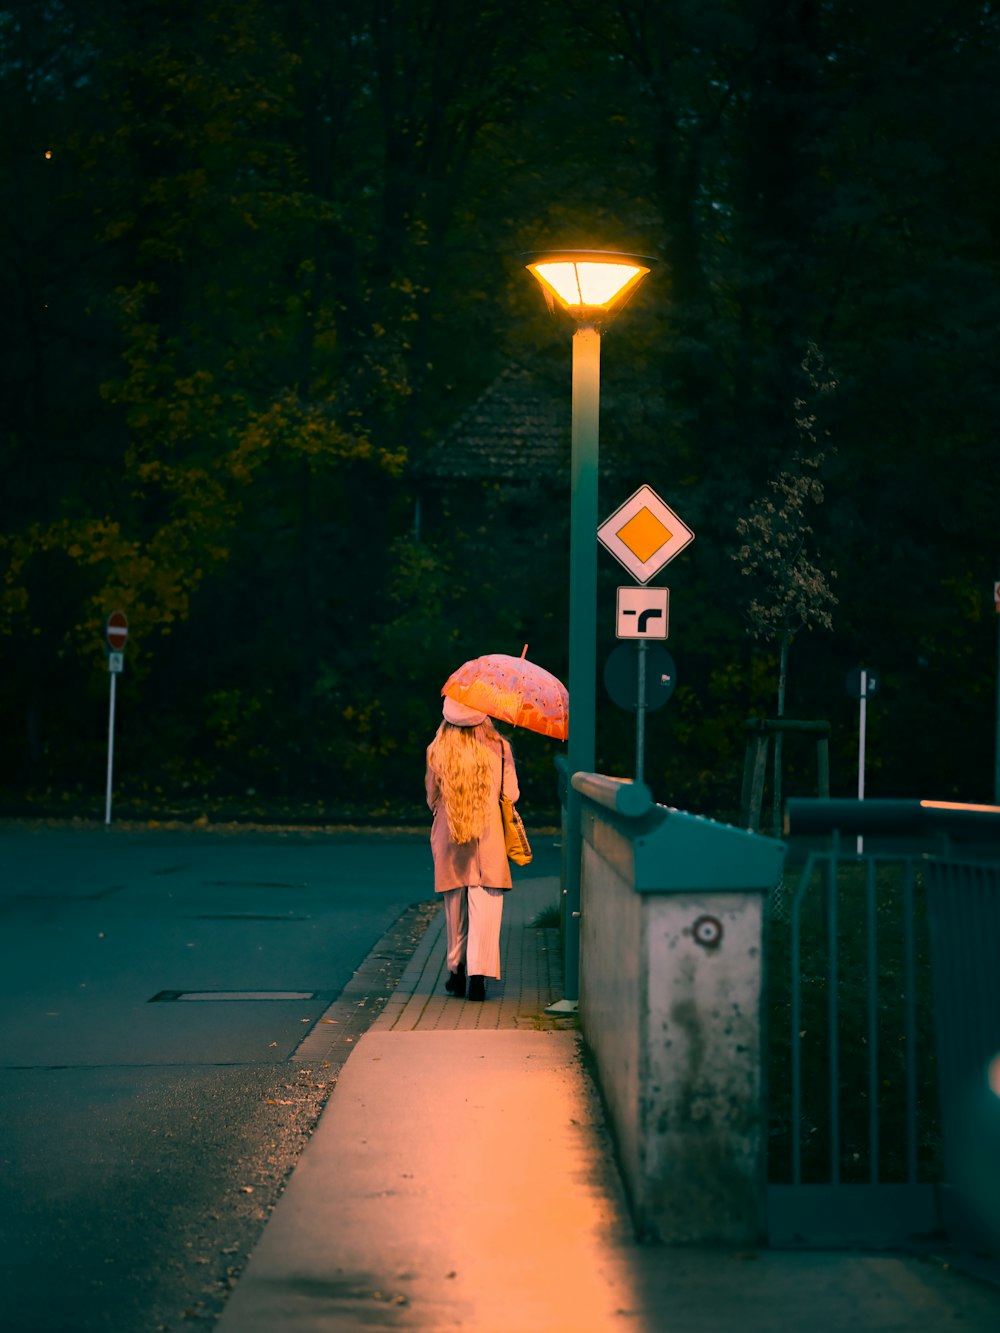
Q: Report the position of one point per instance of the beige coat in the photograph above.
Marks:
(484, 859)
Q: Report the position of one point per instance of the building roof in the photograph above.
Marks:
(514, 429)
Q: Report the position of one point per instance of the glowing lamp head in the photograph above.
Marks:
(589, 284)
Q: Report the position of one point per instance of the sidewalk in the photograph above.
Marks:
(461, 1177)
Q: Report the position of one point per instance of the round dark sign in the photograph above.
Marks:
(621, 675)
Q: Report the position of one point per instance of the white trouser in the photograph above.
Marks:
(472, 918)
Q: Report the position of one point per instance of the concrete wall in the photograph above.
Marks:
(671, 1006)
(612, 993)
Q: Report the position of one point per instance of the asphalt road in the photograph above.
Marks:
(151, 1101)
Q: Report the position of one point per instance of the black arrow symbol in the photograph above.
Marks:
(651, 613)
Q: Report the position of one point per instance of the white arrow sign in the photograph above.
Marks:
(643, 613)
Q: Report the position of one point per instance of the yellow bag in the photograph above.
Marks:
(515, 838)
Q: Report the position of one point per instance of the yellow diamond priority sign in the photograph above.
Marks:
(644, 534)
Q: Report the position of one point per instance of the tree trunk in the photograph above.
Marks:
(33, 734)
(782, 676)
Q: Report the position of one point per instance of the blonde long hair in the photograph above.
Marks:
(460, 758)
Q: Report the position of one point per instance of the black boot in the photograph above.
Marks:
(455, 985)
(477, 988)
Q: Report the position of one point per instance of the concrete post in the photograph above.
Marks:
(671, 1003)
(703, 1177)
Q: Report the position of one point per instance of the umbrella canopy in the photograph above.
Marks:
(512, 689)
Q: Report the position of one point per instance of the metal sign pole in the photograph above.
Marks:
(640, 712)
(111, 746)
(862, 721)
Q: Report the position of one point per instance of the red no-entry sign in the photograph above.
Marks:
(116, 630)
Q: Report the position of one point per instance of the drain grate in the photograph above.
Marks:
(244, 916)
(168, 996)
(251, 884)
(94, 897)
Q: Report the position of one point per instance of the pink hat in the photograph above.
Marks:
(461, 715)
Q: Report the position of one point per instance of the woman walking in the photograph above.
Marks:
(468, 763)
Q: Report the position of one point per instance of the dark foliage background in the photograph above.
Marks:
(257, 259)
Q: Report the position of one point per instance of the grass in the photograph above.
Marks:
(549, 918)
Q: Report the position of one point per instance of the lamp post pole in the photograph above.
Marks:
(582, 619)
(591, 285)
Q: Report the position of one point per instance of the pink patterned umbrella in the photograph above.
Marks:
(513, 690)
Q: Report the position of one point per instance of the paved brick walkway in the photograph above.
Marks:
(530, 966)
(461, 1177)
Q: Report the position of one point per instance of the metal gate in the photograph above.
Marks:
(855, 1143)
(885, 1014)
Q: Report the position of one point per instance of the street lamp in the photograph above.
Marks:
(591, 286)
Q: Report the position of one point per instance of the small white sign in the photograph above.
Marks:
(644, 534)
(643, 613)
(116, 662)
